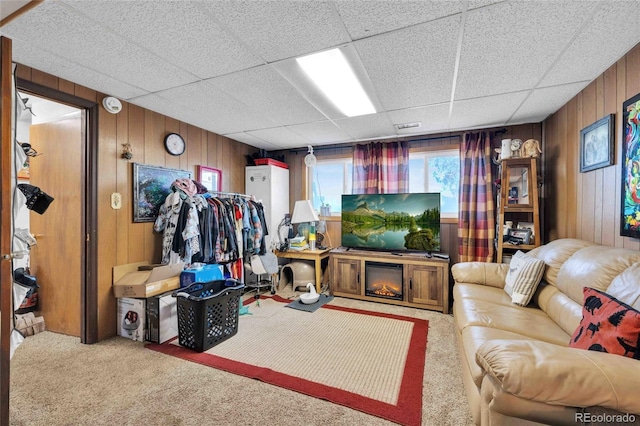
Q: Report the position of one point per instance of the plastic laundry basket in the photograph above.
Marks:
(208, 313)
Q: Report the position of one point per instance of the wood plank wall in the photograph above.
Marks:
(120, 240)
(587, 205)
(449, 227)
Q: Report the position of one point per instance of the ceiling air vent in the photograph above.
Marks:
(405, 126)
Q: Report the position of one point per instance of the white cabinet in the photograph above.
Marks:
(270, 185)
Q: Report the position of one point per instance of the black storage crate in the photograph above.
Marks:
(208, 313)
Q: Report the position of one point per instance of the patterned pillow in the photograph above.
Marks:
(525, 273)
(607, 325)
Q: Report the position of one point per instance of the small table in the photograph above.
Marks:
(316, 255)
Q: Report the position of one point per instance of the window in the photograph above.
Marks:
(437, 171)
(429, 171)
(328, 180)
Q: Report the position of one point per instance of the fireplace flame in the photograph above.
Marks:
(385, 291)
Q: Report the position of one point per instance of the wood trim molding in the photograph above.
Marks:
(24, 9)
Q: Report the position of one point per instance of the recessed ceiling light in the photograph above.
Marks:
(333, 75)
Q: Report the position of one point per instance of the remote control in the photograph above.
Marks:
(441, 255)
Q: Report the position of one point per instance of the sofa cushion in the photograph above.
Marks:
(525, 273)
(530, 322)
(555, 253)
(626, 286)
(594, 267)
(607, 325)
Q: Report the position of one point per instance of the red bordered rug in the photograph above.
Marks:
(370, 361)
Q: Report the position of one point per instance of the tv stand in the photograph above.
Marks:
(425, 282)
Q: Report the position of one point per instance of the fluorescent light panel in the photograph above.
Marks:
(333, 75)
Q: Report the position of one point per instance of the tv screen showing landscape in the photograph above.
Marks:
(392, 222)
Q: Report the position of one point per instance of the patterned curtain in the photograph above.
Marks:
(381, 168)
(476, 223)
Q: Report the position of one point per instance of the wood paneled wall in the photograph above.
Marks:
(587, 205)
(120, 240)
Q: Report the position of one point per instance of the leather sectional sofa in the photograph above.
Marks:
(517, 365)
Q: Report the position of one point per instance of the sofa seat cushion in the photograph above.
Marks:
(473, 337)
(529, 322)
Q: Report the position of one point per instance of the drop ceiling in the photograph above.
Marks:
(222, 65)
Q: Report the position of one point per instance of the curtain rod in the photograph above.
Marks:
(344, 146)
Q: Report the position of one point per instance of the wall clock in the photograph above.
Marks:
(174, 144)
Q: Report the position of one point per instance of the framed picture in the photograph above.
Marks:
(525, 182)
(630, 220)
(524, 234)
(596, 144)
(151, 185)
(211, 178)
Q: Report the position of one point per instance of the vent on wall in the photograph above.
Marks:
(405, 126)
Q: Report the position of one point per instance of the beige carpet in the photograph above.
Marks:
(58, 381)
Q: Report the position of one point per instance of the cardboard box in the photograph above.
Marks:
(131, 318)
(211, 272)
(130, 281)
(162, 318)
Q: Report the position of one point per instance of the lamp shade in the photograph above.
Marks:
(303, 212)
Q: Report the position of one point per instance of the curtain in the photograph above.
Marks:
(381, 168)
(476, 223)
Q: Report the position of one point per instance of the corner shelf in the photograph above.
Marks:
(528, 208)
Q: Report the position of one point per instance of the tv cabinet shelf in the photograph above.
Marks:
(425, 280)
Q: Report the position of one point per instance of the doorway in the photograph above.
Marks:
(63, 132)
(55, 134)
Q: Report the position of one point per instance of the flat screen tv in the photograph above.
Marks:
(392, 222)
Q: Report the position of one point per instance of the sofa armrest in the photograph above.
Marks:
(558, 375)
(491, 274)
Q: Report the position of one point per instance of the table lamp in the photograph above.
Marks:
(303, 212)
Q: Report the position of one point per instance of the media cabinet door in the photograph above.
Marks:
(346, 275)
(425, 285)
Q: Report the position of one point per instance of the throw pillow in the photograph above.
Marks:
(607, 325)
(525, 273)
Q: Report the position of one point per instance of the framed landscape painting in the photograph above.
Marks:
(630, 221)
(151, 185)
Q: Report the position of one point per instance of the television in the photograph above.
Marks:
(392, 222)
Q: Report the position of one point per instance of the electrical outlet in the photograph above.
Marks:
(116, 201)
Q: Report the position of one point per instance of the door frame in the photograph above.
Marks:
(89, 284)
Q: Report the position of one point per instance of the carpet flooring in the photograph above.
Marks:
(56, 380)
(365, 360)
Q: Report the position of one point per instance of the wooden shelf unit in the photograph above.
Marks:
(528, 211)
(425, 280)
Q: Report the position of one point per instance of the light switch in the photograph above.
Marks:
(116, 201)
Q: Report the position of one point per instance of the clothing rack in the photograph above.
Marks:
(232, 194)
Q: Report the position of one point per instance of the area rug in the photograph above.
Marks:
(368, 361)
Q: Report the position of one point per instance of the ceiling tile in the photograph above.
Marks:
(321, 132)
(366, 19)
(250, 140)
(266, 93)
(81, 42)
(280, 137)
(281, 29)
(485, 112)
(508, 47)
(412, 67)
(178, 32)
(597, 47)
(432, 118)
(543, 102)
(373, 126)
(27, 54)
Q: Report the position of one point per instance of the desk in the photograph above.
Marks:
(316, 255)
